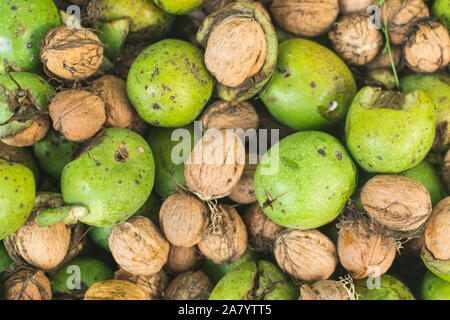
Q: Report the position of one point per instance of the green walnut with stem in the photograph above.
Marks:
(107, 183)
(388, 131)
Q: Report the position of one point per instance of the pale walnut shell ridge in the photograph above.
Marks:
(437, 232)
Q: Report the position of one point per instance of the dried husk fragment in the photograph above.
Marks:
(215, 164)
(398, 202)
(261, 230)
(365, 248)
(36, 132)
(183, 220)
(71, 54)
(115, 290)
(355, 40)
(437, 231)
(383, 61)
(308, 18)
(182, 259)
(190, 285)
(138, 246)
(77, 114)
(445, 171)
(27, 284)
(113, 91)
(153, 286)
(427, 48)
(325, 290)
(352, 6)
(228, 241)
(401, 16)
(306, 254)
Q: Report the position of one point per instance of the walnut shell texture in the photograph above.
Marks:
(229, 242)
(398, 202)
(352, 6)
(307, 18)
(427, 48)
(382, 60)
(215, 164)
(153, 286)
(306, 254)
(355, 40)
(36, 132)
(115, 290)
(138, 246)
(365, 248)
(190, 285)
(71, 53)
(437, 232)
(324, 290)
(182, 259)
(235, 50)
(183, 220)
(27, 284)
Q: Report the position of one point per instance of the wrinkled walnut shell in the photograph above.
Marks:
(365, 249)
(183, 220)
(77, 114)
(382, 60)
(306, 254)
(307, 18)
(398, 202)
(324, 290)
(114, 290)
(437, 232)
(215, 165)
(36, 132)
(352, 6)
(229, 241)
(153, 286)
(27, 284)
(71, 53)
(244, 191)
(190, 285)
(113, 91)
(182, 259)
(427, 48)
(355, 40)
(138, 246)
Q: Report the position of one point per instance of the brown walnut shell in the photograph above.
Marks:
(352, 6)
(307, 18)
(383, 61)
(235, 50)
(138, 246)
(183, 220)
(324, 290)
(190, 285)
(261, 230)
(182, 259)
(27, 284)
(215, 164)
(244, 191)
(77, 114)
(113, 91)
(398, 202)
(306, 254)
(401, 15)
(36, 132)
(365, 249)
(355, 40)
(445, 171)
(115, 290)
(214, 5)
(437, 232)
(229, 241)
(71, 53)
(427, 48)
(153, 286)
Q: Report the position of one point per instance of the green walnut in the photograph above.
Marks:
(107, 183)
(23, 25)
(169, 84)
(254, 281)
(305, 180)
(147, 21)
(434, 288)
(438, 88)
(17, 193)
(113, 34)
(311, 87)
(240, 50)
(179, 6)
(22, 156)
(387, 131)
(440, 268)
(54, 152)
(169, 174)
(441, 10)
(73, 279)
(385, 287)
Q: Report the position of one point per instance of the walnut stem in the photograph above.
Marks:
(69, 214)
(388, 47)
